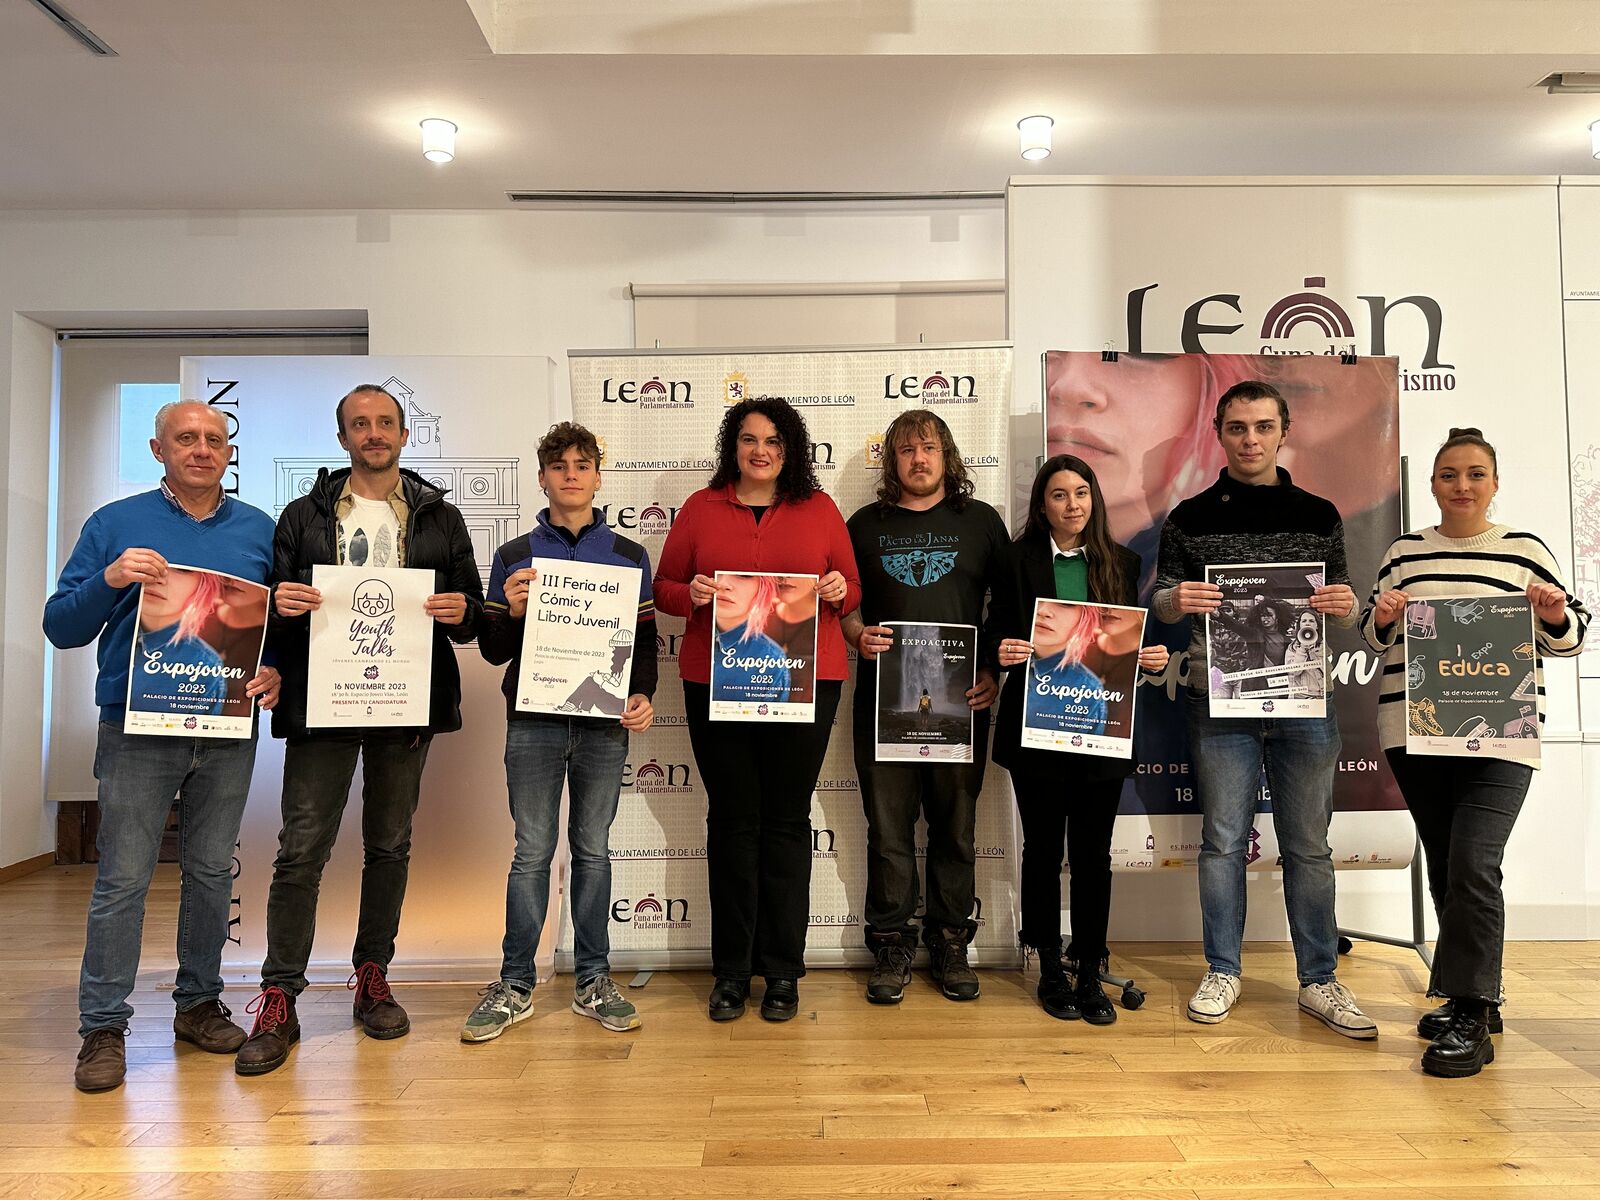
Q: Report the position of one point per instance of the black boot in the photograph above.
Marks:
(1055, 989)
(1436, 1022)
(1464, 1047)
(892, 969)
(1091, 998)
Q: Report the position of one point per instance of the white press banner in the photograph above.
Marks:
(657, 414)
(473, 427)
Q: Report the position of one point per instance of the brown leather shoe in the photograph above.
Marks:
(375, 1007)
(276, 1029)
(207, 1025)
(102, 1061)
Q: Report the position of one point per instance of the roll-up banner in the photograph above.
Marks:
(473, 426)
(657, 414)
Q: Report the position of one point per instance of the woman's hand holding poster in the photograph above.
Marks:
(1471, 688)
(577, 639)
(196, 646)
(1079, 692)
(1266, 645)
(764, 647)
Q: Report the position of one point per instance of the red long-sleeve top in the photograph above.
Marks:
(715, 532)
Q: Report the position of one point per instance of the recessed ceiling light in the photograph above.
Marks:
(1034, 134)
(438, 140)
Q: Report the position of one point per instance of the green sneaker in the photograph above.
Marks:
(502, 1006)
(600, 999)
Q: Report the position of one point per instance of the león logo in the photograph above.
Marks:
(937, 388)
(735, 387)
(652, 913)
(654, 779)
(652, 393)
(1284, 319)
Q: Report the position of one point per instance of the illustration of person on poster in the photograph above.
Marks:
(753, 675)
(923, 679)
(1269, 660)
(177, 676)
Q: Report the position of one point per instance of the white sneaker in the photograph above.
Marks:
(1214, 999)
(1333, 1005)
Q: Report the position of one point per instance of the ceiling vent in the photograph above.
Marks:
(74, 28)
(1571, 83)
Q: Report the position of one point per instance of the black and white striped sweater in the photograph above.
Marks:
(1426, 564)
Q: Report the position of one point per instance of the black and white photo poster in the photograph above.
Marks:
(923, 679)
(1471, 687)
(1266, 646)
(577, 639)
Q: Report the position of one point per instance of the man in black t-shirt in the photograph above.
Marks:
(927, 551)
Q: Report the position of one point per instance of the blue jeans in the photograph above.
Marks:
(542, 754)
(139, 776)
(1298, 756)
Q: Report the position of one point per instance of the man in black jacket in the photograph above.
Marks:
(379, 516)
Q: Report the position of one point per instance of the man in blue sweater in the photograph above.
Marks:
(586, 752)
(188, 520)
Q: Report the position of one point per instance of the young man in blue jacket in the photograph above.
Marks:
(585, 747)
(124, 548)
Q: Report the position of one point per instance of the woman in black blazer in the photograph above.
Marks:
(1064, 552)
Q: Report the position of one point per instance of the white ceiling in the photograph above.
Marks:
(314, 103)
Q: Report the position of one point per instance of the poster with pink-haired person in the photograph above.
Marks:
(198, 641)
(1079, 693)
(764, 653)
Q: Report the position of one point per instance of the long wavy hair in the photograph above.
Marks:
(798, 477)
(1107, 580)
(916, 422)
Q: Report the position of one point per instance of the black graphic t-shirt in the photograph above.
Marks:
(934, 566)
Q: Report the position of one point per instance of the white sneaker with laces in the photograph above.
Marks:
(1214, 999)
(1333, 1005)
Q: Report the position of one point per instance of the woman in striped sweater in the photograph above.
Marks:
(1464, 807)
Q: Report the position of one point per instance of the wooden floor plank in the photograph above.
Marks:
(993, 1099)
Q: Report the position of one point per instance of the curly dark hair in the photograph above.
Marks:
(916, 422)
(798, 477)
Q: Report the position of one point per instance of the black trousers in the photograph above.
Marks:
(759, 777)
(1464, 809)
(894, 794)
(1053, 809)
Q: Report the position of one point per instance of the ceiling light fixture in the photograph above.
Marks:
(1034, 133)
(438, 140)
(1594, 138)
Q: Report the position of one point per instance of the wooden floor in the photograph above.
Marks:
(927, 1099)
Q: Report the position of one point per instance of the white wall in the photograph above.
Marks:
(431, 283)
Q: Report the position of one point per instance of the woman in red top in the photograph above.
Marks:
(762, 511)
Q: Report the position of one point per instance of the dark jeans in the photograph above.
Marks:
(1464, 809)
(759, 777)
(893, 794)
(1083, 814)
(139, 775)
(316, 784)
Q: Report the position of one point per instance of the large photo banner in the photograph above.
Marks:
(657, 414)
(1446, 291)
(473, 428)
(1342, 444)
